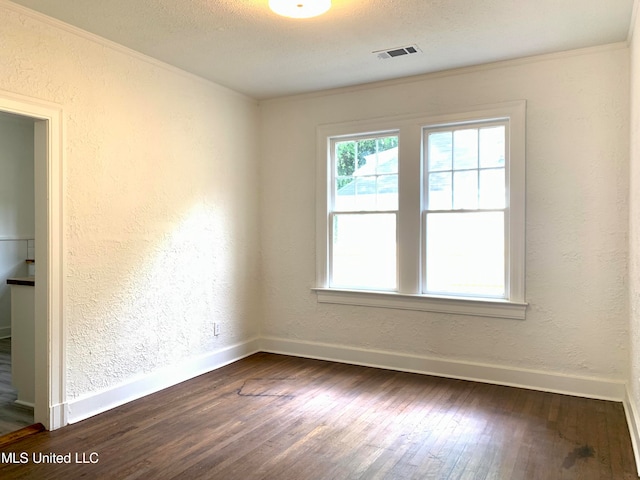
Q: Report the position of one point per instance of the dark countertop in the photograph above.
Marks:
(28, 281)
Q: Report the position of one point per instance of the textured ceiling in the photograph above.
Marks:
(241, 44)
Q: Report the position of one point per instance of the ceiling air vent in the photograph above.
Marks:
(397, 52)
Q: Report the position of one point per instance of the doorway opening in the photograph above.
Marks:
(17, 261)
(49, 402)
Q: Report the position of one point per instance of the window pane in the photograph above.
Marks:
(345, 165)
(465, 149)
(387, 190)
(365, 193)
(440, 191)
(465, 254)
(345, 158)
(364, 251)
(492, 146)
(387, 161)
(440, 151)
(492, 188)
(465, 190)
(345, 198)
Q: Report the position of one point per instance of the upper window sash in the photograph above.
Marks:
(364, 173)
(458, 153)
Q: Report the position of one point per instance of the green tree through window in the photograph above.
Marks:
(352, 154)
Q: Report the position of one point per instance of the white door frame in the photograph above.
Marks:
(50, 392)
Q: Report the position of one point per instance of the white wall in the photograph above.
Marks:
(16, 206)
(577, 189)
(634, 239)
(160, 203)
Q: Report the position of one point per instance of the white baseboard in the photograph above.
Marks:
(589, 387)
(631, 414)
(95, 403)
(58, 416)
(22, 403)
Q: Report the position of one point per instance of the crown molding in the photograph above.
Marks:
(632, 23)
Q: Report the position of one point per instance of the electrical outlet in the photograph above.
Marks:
(216, 329)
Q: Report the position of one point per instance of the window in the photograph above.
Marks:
(424, 212)
(363, 217)
(465, 209)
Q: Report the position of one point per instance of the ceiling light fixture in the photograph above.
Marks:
(300, 8)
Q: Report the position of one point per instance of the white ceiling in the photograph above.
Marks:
(241, 44)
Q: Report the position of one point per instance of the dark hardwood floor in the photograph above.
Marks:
(277, 417)
(12, 416)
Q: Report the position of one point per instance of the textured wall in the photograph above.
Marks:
(160, 219)
(577, 169)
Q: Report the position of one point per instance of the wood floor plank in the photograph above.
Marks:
(277, 417)
(12, 437)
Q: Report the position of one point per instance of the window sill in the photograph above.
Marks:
(424, 303)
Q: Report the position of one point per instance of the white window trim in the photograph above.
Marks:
(425, 303)
(408, 296)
